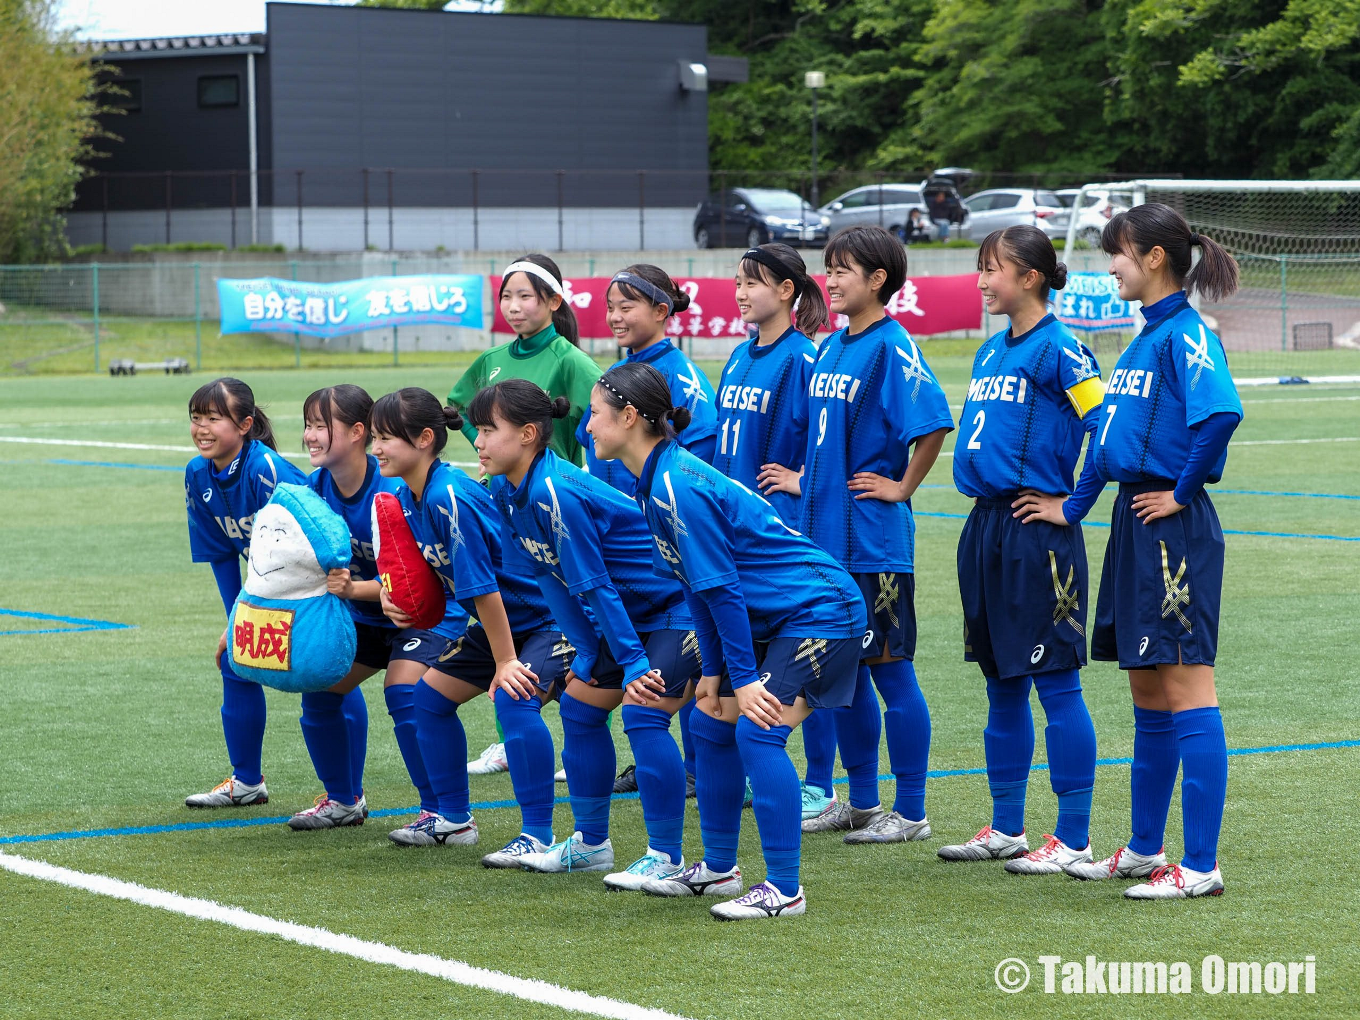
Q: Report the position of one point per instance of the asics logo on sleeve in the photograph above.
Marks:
(1198, 356)
(273, 478)
(450, 513)
(559, 527)
(677, 525)
(207, 495)
(913, 369)
(694, 391)
(1085, 370)
(494, 372)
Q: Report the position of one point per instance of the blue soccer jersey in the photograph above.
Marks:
(762, 412)
(357, 510)
(459, 532)
(710, 531)
(1022, 420)
(222, 505)
(870, 397)
(1170, 378)
(588, 540)
(690, 388)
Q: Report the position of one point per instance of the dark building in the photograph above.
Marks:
(432, 114)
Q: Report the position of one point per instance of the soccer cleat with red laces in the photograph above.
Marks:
(1123, 863)
(230, 792)
(987, 845)
(1051, 858)
(1174, 882)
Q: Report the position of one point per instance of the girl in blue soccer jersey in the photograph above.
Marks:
(1035, 392)
(336, 434)
(641, 300)
(590, 547)
(510, 639)
(762, 425)
(1170, 409)
(750, 581)
(232, 477)
(872, 398)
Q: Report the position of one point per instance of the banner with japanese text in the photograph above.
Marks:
(271, 305)
(1091, 302)
(925, 305)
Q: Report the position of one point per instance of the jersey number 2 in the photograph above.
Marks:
(980, 419)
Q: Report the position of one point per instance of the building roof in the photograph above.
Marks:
(173, 46)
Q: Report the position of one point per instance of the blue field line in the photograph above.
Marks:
(76, 623)
(1296, 495)
(492, 805)
(113, 464)
(1226, 531)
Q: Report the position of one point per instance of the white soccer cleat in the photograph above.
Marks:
(328, 814)
(573, 854)
(1054, 856)
(510, 855)
(1124, 863)
(650, 865)
(1173, 882)
(491, 760)
(890, 828)
(230, 792)
(839, 816)
(696, 880)
(762, 902)
(987, 845)
(431, 829)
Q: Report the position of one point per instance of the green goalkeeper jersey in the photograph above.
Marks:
(550, 361)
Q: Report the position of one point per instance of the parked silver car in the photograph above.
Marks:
(883, 205)
(1006, 207)
(1097, 208)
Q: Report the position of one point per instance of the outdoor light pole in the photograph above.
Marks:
(814, 80)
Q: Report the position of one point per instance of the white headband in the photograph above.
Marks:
(534, 269)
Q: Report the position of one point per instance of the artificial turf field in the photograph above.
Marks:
(104, 731)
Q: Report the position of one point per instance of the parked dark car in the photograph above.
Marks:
(746, 217)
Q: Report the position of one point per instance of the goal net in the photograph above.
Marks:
(1296, 315)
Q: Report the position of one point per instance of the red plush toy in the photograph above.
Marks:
(411, 583)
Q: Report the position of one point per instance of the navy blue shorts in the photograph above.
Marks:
(820, 670)
(377, 646)
(891, 602)
(469, 658)
(1025, 591)
(1160, 586)
(674, 652)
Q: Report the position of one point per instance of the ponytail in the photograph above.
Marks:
(645, 389)
(1155, 225)
(774, 263)
(234, 400)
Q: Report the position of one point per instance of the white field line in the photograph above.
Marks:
(104, 445)
(454, 971)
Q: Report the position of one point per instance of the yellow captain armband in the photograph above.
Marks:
(1086, 395)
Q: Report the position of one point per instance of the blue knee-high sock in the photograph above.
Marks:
(777, 800)
(686, 741)
(529, 749)
(401, 707)
(1204, 787)
(1156, 760)
(819, 745)
(858, 728)
(660, 776)
(327, 739)
(443, 748)
(720, 789)
(243, 715)
(1071, 741)
(588, 757)
(1008, 742)
(355, 709)
(907, 723)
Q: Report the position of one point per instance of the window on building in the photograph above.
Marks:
(131, 100)
(217, 90)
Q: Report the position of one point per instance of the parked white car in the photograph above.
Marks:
(1097, 209)
(882, 205)
(1005, 207)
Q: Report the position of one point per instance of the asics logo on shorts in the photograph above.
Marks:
(411, 645)
(868, 639)
(1036, 655)
(1142, 645)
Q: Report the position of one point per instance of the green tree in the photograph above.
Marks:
(47, 107)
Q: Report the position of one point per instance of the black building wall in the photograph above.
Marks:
(519, 97)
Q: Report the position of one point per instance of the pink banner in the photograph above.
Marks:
(925, 305)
